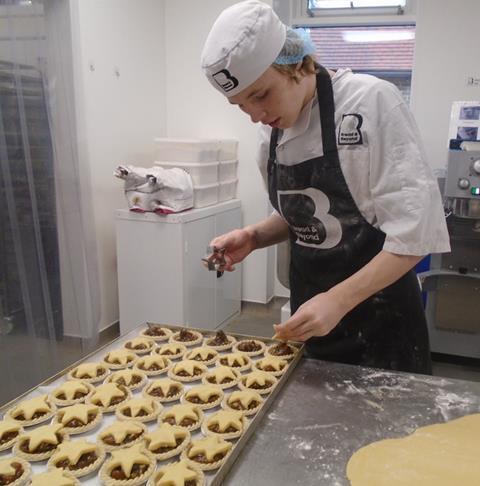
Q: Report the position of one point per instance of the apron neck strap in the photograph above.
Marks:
(326, 106)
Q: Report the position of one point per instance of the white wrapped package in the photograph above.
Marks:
(156, 189)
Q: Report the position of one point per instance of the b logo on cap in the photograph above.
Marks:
(225, 80)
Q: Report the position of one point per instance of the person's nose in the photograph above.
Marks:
(258, 115)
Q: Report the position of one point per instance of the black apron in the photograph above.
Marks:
(330, 241)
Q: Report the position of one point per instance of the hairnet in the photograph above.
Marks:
(298, 44)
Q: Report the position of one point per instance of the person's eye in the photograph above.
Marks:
(262, 95)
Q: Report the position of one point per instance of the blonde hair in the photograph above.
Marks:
(296, 72)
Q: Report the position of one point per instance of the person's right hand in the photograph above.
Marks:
(237, 243)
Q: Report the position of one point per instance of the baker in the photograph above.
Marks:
(346, 174)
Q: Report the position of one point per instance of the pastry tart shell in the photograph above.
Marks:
(27, 472)
(112, 408)
(29, 423)
(136, 386)
(251, 353)
(264, 391)
(203, 406)
(84, 428)
(155, 372)
(186, 379)
(172, 357)
(246, 412)
(273, 373)
(225, 435)
(13, 441)
(140, 438)
(204, 467)
(72, 478)
(188, 344)
(66, 403)
(157, 408)
(119, 366)
(158, 339)
(191, 428)
(78, 473)
(283, 356)
(162, 456)
(31, 456)
(221, 347)
(245, 367)
(208, 362)
(139, 352)
(164, 399)
(107, 480)
(200, 482)
(223, 386)
(95, 379)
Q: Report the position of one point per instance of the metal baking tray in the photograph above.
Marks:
(213, 478)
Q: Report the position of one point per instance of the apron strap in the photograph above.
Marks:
(326, 105)
(272, 152)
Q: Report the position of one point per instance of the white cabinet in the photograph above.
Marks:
(160, 274)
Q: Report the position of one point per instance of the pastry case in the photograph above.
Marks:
(160, 402)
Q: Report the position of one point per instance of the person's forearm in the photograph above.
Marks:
(383, 270)
(268, 232)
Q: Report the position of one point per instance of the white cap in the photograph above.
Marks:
(243, 42)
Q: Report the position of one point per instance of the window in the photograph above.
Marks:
(355, 7)
(383, 51)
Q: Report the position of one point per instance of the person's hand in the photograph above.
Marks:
(316, 317)
(237, 243)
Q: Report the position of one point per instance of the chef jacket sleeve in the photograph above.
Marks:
(406, 197)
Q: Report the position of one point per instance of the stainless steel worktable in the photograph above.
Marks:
(327, 411)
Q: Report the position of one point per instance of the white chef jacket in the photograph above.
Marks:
(381, 157)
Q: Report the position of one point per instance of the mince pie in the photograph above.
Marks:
(222, 376)
(10, 431)
(108, 396)
(204, 396)
(156, 332)
(71, 392)
(153, 365)
(172, 350)
(167, 441)
(78, 457)
(186, 337)
(188, 370)
(32, 412)
(54, 477)
(39, 444)
(207, 453)
(14, 471)
(238, 360)
(228, 424)
(120, 434)
(164, 390)
(251, 347)
(142, 409)
(246, 401)
(260, 381)
(130, 466)
(140, 345)
(132, 379)
(120, 358)
(188, 416)
(89, 372)
(79, 418)
(178, 473)
(282, 350)
(272, 364)
(204, 355)
(220, 341)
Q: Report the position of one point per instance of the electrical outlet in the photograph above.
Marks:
(472, 81)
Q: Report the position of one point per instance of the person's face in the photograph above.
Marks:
(274, 99)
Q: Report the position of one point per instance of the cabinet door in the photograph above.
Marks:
(199, 282)
(228, 287)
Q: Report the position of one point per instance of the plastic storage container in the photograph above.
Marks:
(227, 149)
(205, 195)
(186, 150)
(227, 170)
(227, 190)
(202, 173)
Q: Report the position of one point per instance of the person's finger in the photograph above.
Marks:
(291, 324)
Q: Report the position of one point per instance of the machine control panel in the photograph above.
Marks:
(463, 174)
(463, 183)
(476, 166)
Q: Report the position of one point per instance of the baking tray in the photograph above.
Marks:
(213, 478)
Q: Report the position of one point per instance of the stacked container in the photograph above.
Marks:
(212, 165)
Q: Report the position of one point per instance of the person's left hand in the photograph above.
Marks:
(316, 317)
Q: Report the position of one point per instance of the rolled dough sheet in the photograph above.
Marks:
(435, 455)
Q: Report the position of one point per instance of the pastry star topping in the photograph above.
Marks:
(88, 369)
(127, 376)
(6, 468)
(136, 405)
(238, 359)
(258, 377)
(140, 341)
(70, 388)
(122, 356)
(164, 385)
(54, 477)
(189, 366)
(176, 474)
(204, 392)
(276, 363)
(203, 353)
(226, 419)
(79, 412)
(29, 408)
(43, 434)
(210, 447)
(223, 372)
(180, 412)
(73, 450)
(164, 436)
(148, 361)
(245, 397)
(172, 347)
(105, 393)
(127, 458)
(7, 426)
(119, 430)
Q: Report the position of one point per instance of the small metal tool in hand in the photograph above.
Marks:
(215, 259)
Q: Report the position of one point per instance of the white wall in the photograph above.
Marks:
(195, 109)
(118, 48)
(446, 54)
